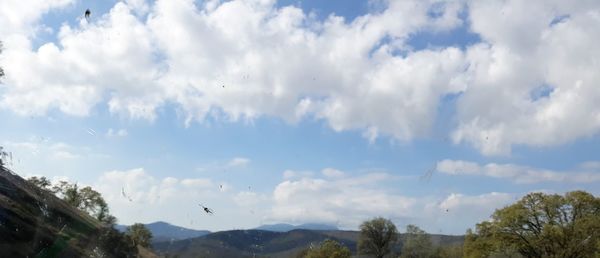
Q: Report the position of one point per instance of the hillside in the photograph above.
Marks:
(260, 243)
(34, 222)
(163, 231)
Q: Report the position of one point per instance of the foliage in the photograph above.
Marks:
(416, 243)
(540, 225)
(327, 249)
(41, 182)
(139, 234)
(377, 237)
(112, 243)
(85, 199)
(449, 251)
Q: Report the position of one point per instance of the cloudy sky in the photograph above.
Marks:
(426, 112)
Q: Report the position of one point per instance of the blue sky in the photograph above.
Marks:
(331, 122)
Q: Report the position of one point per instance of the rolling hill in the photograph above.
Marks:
(261, 243)
(163, 231)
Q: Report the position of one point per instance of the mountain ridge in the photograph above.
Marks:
(263, 243)
(164, 231)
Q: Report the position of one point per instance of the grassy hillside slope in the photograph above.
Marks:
(34, 222)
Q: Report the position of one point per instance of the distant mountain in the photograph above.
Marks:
(163, 231)
(261, 243)
(282, 227)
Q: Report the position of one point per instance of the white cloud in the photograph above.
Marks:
(45, 148)
(295, 65)
(140, 7)
(530, 82)
(21, 17)
(198, 182)
(457, 211)
(112, 133)
(238, 162)
(64, 155)
(523, 52)
(485, 203)
(520, 174)
(136, 196)
(332, 172)
(343, 201)
(348, 201)
(87, 71)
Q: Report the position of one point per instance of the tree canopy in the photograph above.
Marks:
(139, 234)
(41, 182)
(85, 199)
(112, 243)
(416, 243)
(377, 237)
(540, 225)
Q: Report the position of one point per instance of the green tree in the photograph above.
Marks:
(85, 199)
(450, 251)
(540, 225)
(112, 243)
(327, 249)
(377, 237)
(139, 234)
(416, 243)
(41, 182)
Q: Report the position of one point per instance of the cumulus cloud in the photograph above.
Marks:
(349, 200)
(525, 51)
(530, 81)
(260, 60)
(89, 69)
(135, 195)
(20, 18)
(343, 201)
(588, 173)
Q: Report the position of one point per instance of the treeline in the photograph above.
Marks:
(379, 237)
(539, 225)
(111, 242)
